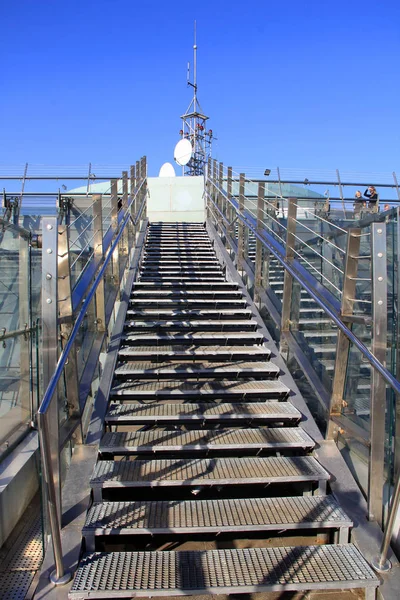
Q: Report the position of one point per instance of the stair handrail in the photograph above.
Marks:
(59, 576)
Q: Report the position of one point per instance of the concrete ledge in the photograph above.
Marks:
(19, 481)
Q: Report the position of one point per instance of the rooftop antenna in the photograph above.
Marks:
(194, 123)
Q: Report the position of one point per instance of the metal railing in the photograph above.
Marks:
(228, 212)
(132, 210)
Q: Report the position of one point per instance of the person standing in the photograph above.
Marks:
(373, 198)
(359, 203)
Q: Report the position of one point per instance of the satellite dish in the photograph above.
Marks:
(167, 170)
(183, 152)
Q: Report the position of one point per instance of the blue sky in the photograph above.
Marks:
(311, 84)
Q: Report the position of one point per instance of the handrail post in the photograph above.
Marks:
(99, 255)
(50, 342)
(240, 255)
(378, 386)
(342, 343)
(229, 210)
(143, 177)
(115, 228)
(24, 275)
(134, 200)
(59, 576)
(382, 563)
(288, 279)
(65, 310)
(258, 270)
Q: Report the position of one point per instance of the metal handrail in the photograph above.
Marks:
(59, 576)
(381, 563)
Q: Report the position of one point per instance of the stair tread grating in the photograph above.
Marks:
(203, 368)
(200, 411)
(235, 439)
(300, 511)
(254, 569)
(240, 389)
(207, 471)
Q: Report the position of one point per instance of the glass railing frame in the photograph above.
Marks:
(216, 200)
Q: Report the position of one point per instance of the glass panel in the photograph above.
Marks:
(15, 351)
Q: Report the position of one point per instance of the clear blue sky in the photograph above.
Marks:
(310, 84)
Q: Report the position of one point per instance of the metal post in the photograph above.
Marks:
(240, 256)
(378, 386)
(288, 279)
(343, 344)
(124, 189)
(229, 210)
(115, 228)
(51, 477)
(50, 343)
(382, 563)
(25, 400)
(396, 184)
(98, 254)
(65, 310)
(258, 271)
(341, 192)
(143, 174)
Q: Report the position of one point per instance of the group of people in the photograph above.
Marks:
(360, 200)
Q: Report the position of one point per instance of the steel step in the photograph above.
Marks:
(178, 369)
(273, 389)
(180, 275)
(247, 570)
(177, 294)
(246, 440)
(184, 285)
(203, 325)
(199, 338)
(161, 279)
(197, 313)
(140, 414)
(192, 472)
(189, 302)
(214, 516)
(183, 352)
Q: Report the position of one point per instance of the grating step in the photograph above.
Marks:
(155, 313)
(188, 302)
(178, 294)
(207, 390)
(149, 285)
(168, 573)
(192, 472)
(183, 352)
(139, 414)
(175, 369)
(164, 441)
(214, 516)
(198, 338)
(204, 325)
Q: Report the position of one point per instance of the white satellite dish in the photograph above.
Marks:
(183, 152)
(167, 170)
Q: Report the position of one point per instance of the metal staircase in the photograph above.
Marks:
(202, 442)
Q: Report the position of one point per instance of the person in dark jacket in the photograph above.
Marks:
(373, 198)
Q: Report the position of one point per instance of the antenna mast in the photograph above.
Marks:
(194, 125)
